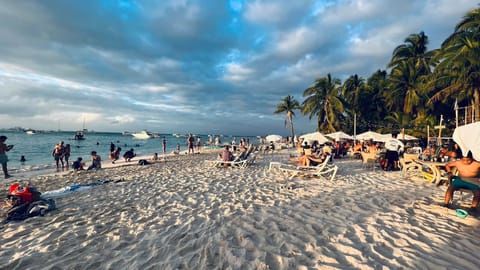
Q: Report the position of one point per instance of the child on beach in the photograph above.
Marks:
(129, 155)
(78, 164)
(3, 156)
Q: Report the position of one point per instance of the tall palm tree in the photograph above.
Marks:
(405, 92)
(324, 102)
(414, 50)
(352, 90)
(288, 106)
(410, 67)
(459, 63)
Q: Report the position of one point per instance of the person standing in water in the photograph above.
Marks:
(57, 154)
(3, 155)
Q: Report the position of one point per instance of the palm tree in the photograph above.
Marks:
(352, 90)
(288, 105)
(323, 101)
(458, 71)
(405, 93)
(415, 50)
(410, 67)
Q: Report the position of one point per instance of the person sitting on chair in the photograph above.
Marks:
(468, 170)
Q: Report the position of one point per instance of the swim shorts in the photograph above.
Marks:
(457, 182)
(3, 159)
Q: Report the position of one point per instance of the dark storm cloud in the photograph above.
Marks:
(191, 65)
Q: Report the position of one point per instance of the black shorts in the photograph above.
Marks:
(391, 155)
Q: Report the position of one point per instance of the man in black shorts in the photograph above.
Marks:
(393, 146)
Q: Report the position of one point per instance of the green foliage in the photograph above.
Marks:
(421, 86)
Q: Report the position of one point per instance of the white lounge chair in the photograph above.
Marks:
(240, 161)
(320, 170)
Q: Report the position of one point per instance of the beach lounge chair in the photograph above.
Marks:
(321, 170)
(369, 158)
(240, 161)
(407, 162)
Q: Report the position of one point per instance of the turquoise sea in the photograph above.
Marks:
(37, 148)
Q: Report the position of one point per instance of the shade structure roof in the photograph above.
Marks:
(273, 138)
(371, 135)
(468, 138)
(339, 135)
(315, 136)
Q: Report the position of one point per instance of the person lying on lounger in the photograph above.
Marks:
(310, 160)
(468, 171)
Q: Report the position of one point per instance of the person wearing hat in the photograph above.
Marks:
(3, 155)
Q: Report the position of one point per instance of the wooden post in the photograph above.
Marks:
(354, 129)
(456, 113)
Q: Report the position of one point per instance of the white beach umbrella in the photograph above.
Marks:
(315, 136)
(273, 138)
(371, 135)
(339, 135)
(468, 138)
(400, 136)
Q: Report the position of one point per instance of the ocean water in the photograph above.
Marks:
(37, 148)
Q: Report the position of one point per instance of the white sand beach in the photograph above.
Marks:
(182, 214)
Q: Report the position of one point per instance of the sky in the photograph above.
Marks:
(194, 66)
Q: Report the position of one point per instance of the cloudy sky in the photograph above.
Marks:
(200, 66)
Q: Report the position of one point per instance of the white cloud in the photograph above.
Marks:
(236, 72)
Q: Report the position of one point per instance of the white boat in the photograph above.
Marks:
(30, 132)
(142, 135)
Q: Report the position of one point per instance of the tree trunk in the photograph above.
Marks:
(290, 118)
(476, 104)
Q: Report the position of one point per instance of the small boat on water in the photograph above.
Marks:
(79, 135)
(30, 132)
(142, 135)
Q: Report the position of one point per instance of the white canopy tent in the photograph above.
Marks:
(371, 135)
(339, 135)
(401, 136)
(468, 138)
(273, 138)
(315, 136)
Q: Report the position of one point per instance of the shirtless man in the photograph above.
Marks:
(468, 170)
(57, 154)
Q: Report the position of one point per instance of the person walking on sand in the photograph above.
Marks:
(3, 155)
(199, 143)
(394, 147)
(190, 143)
(57, 154)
